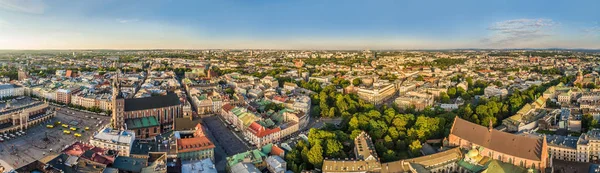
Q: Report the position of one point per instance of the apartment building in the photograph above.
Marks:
(378, 93)
(10, 90)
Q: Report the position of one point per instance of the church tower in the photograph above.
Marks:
(118, 103)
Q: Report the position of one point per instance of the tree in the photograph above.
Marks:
(587, 122)
(389, 155)
(229, 91)
(415, 147)
(389, 142)
(334, 149)
(315, 155)
(444, 98)
(452, 92)
(356, 81)
(332, 112)
(419, 78)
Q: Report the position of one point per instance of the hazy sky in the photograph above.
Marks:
(299, 24)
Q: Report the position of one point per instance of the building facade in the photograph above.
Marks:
(112, 139)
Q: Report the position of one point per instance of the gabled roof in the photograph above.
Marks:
(194, 144)
(260, 131)
(134, 104)
(227, 107)
(510, 144)
(275, 150)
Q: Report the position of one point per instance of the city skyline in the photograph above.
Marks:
(36, 24)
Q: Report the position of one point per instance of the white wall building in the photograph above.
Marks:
(108, 138)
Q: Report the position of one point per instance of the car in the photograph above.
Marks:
(73, 128)
(49, 126)
(87, 128)
(66, 132)
(11, 135)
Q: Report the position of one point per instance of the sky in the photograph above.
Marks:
(299, 24)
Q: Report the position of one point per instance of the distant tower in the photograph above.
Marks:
(579, 79)
(118, 104)
(22, 75)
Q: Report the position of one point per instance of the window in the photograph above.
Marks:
(521, 164)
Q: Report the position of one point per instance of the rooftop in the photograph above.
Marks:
(516, 145)
(116, 136)
(194, 144)
(200, 166)
(134, 104)
(130, 164)
(143, 122)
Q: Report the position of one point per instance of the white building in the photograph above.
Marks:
(10, 90)
(492, 90)
(200, 166)
(114, 140)
(276, 164)
(378, 93)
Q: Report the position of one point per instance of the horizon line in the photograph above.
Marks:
(399, 49)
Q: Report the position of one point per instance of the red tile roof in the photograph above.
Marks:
(260, 131)
(77, 149)
(199, 130)
(277, 151)
(194, 144)
(227, 107)
(280, 98)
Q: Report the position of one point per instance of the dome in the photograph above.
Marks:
(367, 81)
(472, 153)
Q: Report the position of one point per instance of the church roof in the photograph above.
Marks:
(516, 145)
(135, 104)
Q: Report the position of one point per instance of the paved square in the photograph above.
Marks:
(21, 150)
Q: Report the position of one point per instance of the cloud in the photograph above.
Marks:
(127, 20)
(516, 31)
(23, 6)
(593, 30)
